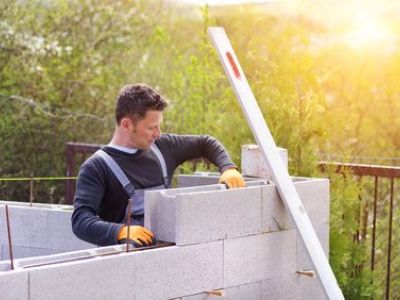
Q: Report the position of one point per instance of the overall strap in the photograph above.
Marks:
(116, 169)
(162, 163)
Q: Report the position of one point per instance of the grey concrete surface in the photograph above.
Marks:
(259, 257)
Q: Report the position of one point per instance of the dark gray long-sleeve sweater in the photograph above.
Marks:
(100, 201)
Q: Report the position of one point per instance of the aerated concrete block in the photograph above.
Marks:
(60, 235)
(227, 213)
(39, 205)
(241, 292)
(210, 216)
(314, 194)
(204, 179)
(110, 277)
(67, 256)
(14, 285)
(21, 252)
(303, 260)
(28, 227)
(159, 209)
(175, 271)
(254, 258)
(274, 214)
(254, 163)
(198, 179)
(3, 226)
(159, 215)
(5, 265)
(244, 292)
(292, 286)
(35, 229)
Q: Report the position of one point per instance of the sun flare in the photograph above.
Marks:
(367, 30)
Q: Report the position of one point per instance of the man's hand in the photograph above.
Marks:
(138, 236)
(232, 178)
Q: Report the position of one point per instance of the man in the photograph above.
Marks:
(147, 160)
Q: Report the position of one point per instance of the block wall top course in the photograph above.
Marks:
(23, 252)
(161, 273)
(39, 228)
(254, 163)
(38, 205)
(206, 213)
(111, 277)
(203, 217)
(314, 194)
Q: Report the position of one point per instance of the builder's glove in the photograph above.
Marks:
(232, 178)
(138, 236)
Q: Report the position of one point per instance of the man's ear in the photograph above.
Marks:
(126, 123)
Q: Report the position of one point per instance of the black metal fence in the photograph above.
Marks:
(379, 222)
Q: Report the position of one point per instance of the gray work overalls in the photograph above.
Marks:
(136, 196)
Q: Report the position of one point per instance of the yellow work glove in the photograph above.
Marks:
(232, 178)
(138, 236)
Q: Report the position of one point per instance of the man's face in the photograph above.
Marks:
(144, 132)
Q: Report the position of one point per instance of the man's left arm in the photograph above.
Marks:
(187, 147)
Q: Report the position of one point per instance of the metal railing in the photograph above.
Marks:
(378, 184)
(73, 150)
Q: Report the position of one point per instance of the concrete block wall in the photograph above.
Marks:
(269, 234)
(38, 230)
(240, 242)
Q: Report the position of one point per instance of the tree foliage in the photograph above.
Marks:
(62, 63)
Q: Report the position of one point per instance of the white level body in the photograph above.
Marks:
(280, 175)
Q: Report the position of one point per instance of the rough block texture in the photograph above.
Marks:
(22, 252)
(40, 230)
(273, 211)
(209, 216)
(110, 277)
(172, 272)
(293, 287)
(159, 215)
(14, 285)
(303, 260)
(180, 215)
(314, 194)
(60, 221)
(203, 180)
(244, 292)
(38, 260)
(28, 227)
(198, 179)
(254, 258)
(254, 163)
(159, 208)
(241, 292)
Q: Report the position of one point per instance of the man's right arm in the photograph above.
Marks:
(86, 224)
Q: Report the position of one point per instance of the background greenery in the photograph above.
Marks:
(62, 63)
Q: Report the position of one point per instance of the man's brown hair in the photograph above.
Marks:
(134, 100)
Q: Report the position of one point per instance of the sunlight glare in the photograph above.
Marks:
(367, 30)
